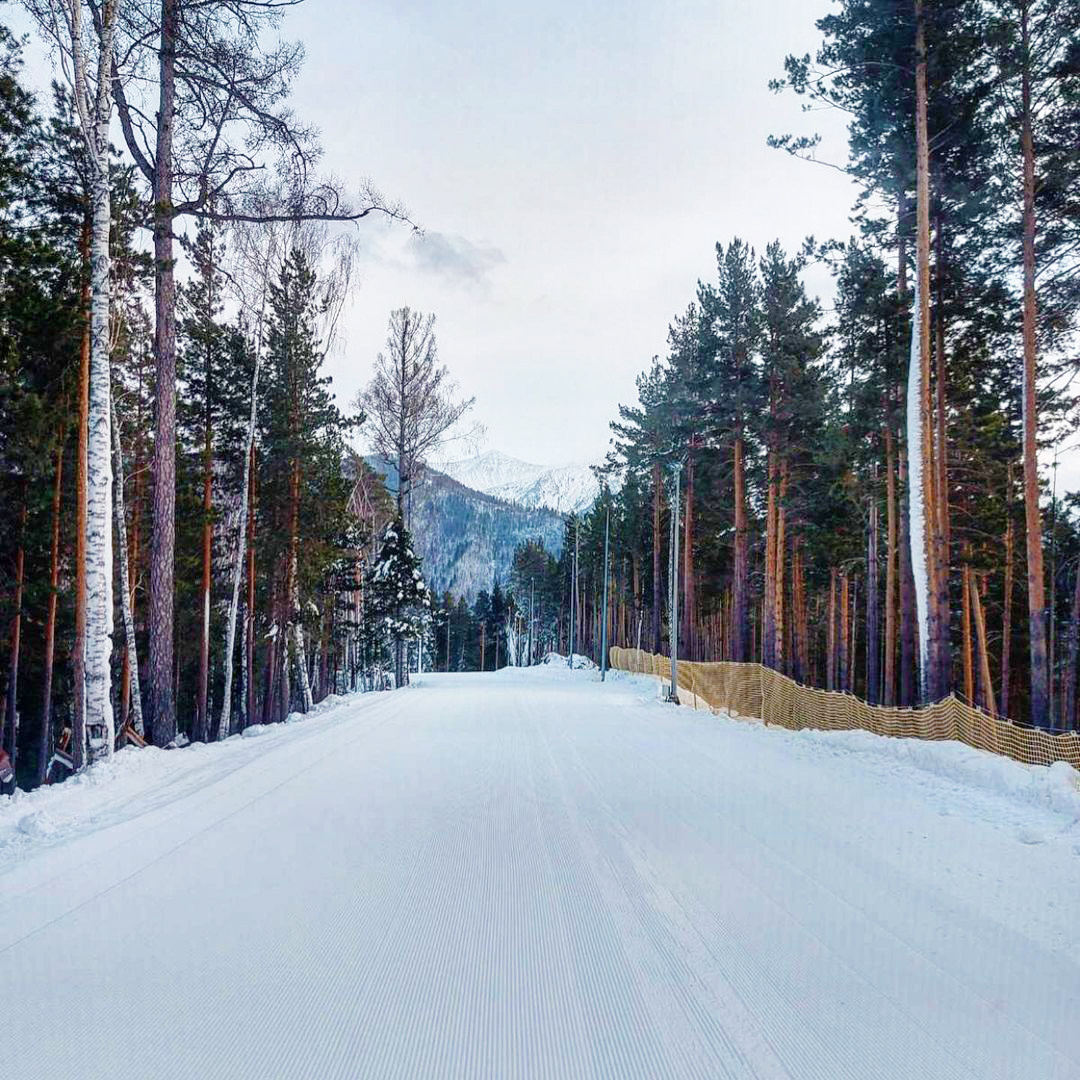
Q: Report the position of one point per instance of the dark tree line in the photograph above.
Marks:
(863, 506)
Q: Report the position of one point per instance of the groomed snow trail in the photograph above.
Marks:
(536, 875)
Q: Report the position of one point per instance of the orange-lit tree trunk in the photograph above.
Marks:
(969, 657)
(888, 690)
(830, 636)
(986, 686)
(689, 596)
(740, 644)
(657, 604)
(778, 574)
(873, 642)
(1037, 613)
(769, 606)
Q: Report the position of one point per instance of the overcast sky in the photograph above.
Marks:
(572, 165)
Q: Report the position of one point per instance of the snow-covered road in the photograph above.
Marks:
(534, 875)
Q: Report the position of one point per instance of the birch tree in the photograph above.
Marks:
(83, 34)
(259, 247)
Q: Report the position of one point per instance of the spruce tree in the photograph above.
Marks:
(400, 600)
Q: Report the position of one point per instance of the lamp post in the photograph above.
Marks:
(677, 469)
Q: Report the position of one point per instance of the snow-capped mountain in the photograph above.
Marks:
(562, 488)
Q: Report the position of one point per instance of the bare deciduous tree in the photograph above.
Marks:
(209, 121)
(410, 401)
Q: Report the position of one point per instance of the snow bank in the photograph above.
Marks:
(582, 663)
(133, 780)
(1055, 787)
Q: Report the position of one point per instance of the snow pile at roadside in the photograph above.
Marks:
(582, 663)
(135, 779)
(1055, 787)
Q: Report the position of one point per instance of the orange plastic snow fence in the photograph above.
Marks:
(751, 690)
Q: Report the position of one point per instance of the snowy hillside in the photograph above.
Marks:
(467, 538)
(563, 488)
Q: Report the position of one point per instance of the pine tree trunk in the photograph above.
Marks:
(923, 509)
(778, 574)
(986, 685)
(131, 668)
(941, 482)
(689, 592)
(844, 658)
(769, 607)
(740, 599)
(1037, 613)
(202, 723)
(969, 658)
(830, 636)
(162, 713)
(45, 739)
(888, 695)
(657, 597)
(798, 615)
(1068, 697)
(908, 629)
(11, 724)
(873, 644)
(1006, 617)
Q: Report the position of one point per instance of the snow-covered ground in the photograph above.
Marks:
(533, 874)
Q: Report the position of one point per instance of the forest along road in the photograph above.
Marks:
(532, 874)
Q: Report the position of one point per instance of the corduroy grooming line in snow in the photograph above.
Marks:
(752, 690)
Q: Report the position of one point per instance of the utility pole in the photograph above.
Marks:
(448, 641)
(604, 616)
(677, 467)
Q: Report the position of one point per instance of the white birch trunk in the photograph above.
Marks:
(125, 594)
(916, 505)
(286, 689)
(242, 524)
(99, 600)
(244, 709)
(306, 700)
(238, 562)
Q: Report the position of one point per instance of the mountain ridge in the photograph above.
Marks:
(570, 488)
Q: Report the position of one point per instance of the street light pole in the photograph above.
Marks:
(677, 467)
(604, 615)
